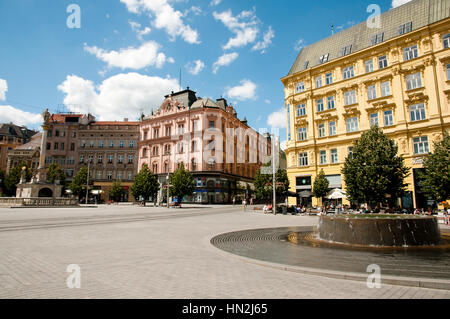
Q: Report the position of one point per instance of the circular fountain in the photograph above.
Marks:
(374, 230)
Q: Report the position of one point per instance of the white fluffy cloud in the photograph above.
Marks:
(215, 2)
(244, 26)
(224, 60)
(120, 96)
(397, 3)
(277, 119)
(195, 67)
(131, 58)
(164, 17)
(136, 27)
(9, 114)
(3, 89)
(267, 40)
(245, 91)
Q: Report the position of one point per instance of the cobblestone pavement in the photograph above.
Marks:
(136, 252)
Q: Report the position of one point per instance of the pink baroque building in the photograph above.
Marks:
(222, 152)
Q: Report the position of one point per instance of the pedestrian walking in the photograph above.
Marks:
(234, 200)
(244, 205)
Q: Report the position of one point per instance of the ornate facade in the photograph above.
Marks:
(396, 76)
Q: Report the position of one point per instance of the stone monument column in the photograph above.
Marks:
(45, 127)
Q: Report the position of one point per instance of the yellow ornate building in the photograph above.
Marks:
(397, 76)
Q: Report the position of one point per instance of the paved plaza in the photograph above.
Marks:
(148, 252)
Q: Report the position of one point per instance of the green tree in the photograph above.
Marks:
(181, 183)
(56, 173)
(13, 178)
(145, 184)
(263, 183)
(78, 185)
(320, 186)
(436, 177)
(2, 182)
(116, 191)
(375, 170)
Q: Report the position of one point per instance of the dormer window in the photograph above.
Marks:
(324, 58)
(377, 38)
(405, 28)
(346, 50)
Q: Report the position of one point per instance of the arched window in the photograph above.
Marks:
(446, 39)
(194, 164)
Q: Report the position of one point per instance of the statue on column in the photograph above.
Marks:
(46, 116)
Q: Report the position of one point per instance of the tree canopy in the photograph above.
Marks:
(320, 186)
(56, 173)
(181, 183)
(78, 185)
(263, 183)
(436, 177)
(13, 178)
(116, 191)
(145, 184)
(375, 170)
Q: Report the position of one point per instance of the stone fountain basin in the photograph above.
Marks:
(380, 230)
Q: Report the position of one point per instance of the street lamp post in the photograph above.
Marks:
(274, 177)
(168, 176)
(87, 182)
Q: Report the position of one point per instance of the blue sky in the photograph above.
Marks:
(128, 53)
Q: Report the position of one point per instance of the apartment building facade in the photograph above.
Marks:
(12, 136)
(396, 76)
(108, 149)
(222, 152)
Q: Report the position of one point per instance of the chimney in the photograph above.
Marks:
(125, 119)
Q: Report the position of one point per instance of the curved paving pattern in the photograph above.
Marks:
(271, 245)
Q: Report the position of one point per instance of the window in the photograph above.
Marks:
(81, 158)
(72, 146)
(111, 144)
(180, 148)
(55, 146)
(71, 161)
(413, 81)
(91, 144)
(130, 159)
(303, 159)
(305, 65)
(121, 144)
(194, 146)
(417, 112)
(346, 50)
(74, 134)
(377, 38)
(332, 128)
(49, 133)
(69, 172)
(99, 174)
(388, 118)
(320, 105)
(300, 87)
(111, 157)
(101, 144)
(145, 135)
(90, 158)
(374, 119)
(301, 110)
(318, 81)
(350, 97)
(369, 66)
(56, 133)
(334, 156)
(330, 101)
(181, 129)
(321, 128)
(420, 145)
(405, 28)
(324, 58)
(446, 40)
(410, 53)
(109, 176)
(385, 88)
(323, 157)
(83, 144)
(448, 72)
(329, 78)
(119, 175)
(348, 72)
(211, 124)
(352, 124)
(130, 176)
(350, 151)
(372, 92)
(49, 146)
(131, 144)
(382, 62)
(100, 159)
(301, 134)
(120, 159)
(156, 133)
